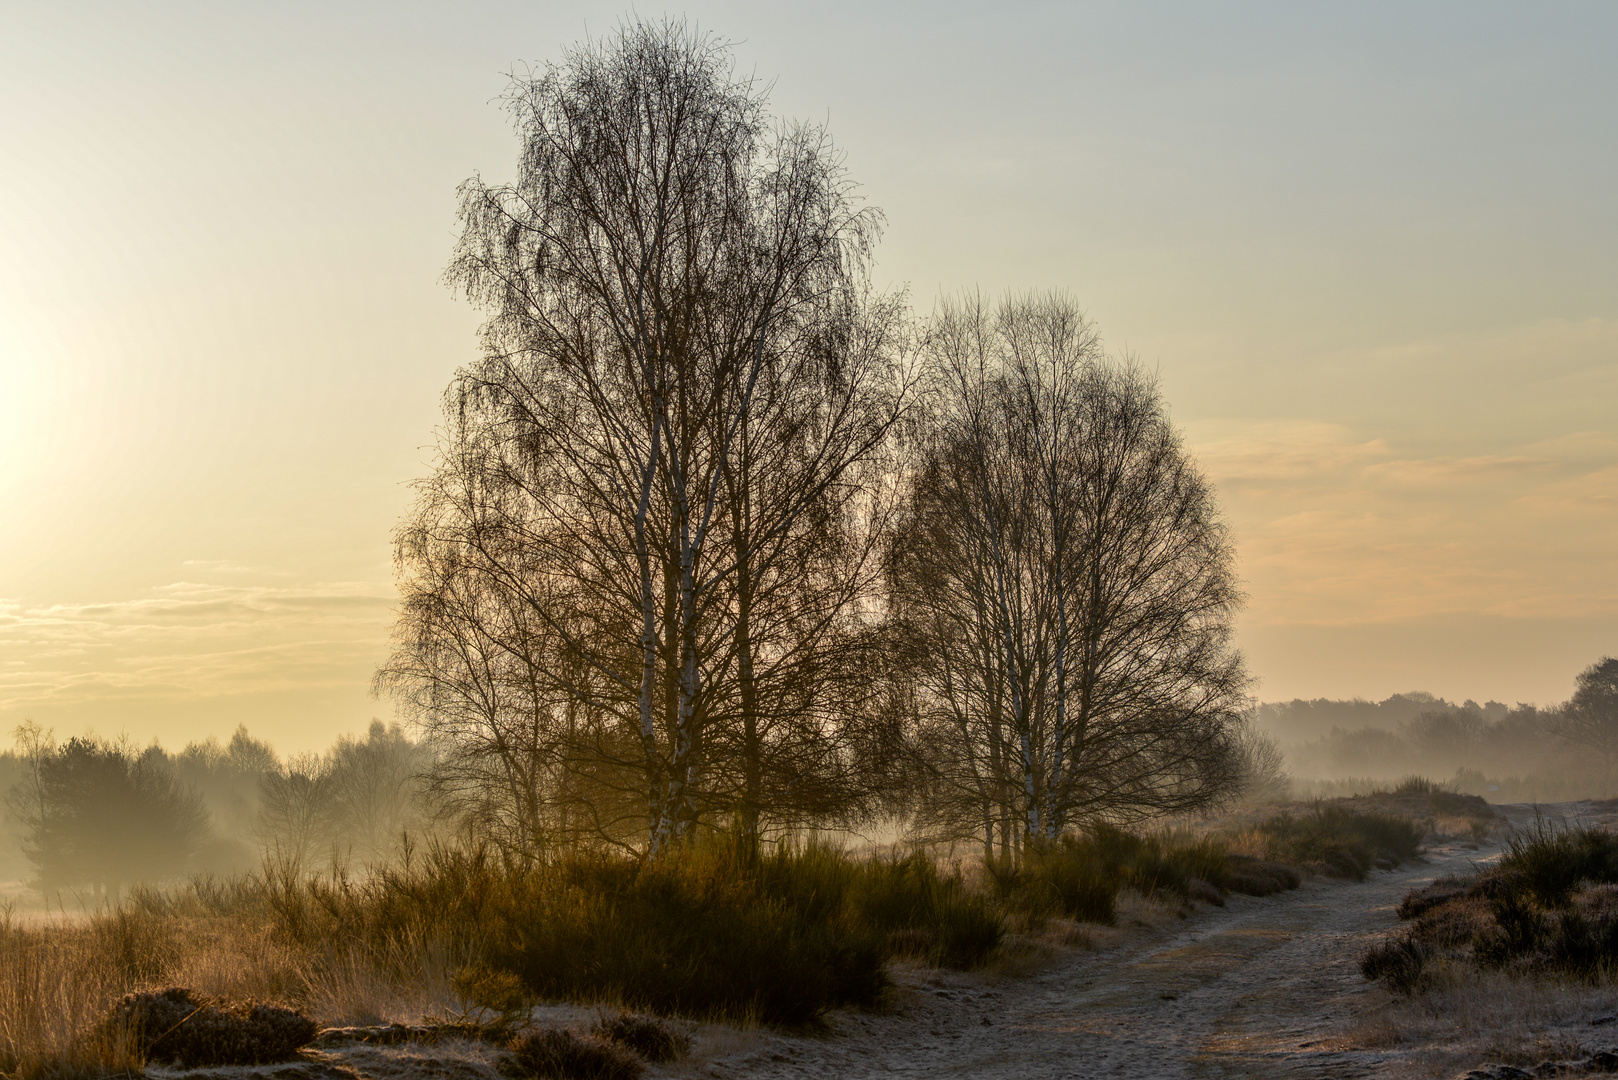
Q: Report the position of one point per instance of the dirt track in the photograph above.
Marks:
(1261, 987)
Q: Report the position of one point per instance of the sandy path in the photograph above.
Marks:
(1257, 988)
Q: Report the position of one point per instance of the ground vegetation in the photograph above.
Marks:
(1549, 906)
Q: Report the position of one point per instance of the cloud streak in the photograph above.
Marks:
(190, 640)
(1337, 526)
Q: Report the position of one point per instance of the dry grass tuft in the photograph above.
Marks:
(555, 1052)
(655, 1040)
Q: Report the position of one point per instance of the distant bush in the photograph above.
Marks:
(1080, 876)
(1259, 877)
(1339, 841)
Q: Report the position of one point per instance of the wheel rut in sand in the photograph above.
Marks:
(1255, 989)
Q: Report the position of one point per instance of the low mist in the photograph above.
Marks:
(1507, 754)
(86, 818)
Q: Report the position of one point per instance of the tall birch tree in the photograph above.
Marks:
(683, 388)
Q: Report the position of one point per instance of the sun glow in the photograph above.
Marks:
(21, 383)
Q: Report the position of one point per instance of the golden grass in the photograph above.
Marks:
(59, 976)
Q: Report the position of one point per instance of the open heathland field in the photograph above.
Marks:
(1216, 951)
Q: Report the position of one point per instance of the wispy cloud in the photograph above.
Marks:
(190, 639)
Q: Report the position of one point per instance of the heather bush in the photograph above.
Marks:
(1399, 963)
(175, 1027)
(1549, 904)
(555, 1053)
(1079, 876)
(1339, 841)
(655, 1040)
(1549, 862)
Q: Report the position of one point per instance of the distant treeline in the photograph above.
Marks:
(88, 816)
(1506, 753)
(1301, 720)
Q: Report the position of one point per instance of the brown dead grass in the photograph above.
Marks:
(1469, 1016)
(58, 978)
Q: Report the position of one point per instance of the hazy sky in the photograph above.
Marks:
(1372, 250)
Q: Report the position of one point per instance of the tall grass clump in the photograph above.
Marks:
(1079, 877)
(1549, 862)
(692, 933)
(1339, 841)
(56, 982)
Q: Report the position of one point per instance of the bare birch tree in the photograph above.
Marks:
(1069, 583)
(682, 386)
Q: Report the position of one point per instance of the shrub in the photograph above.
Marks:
(1453, 924)
(1258, 877)
(1519, 928)
(1585, 942)
(1419, 901)
(969, 929)
(925, 913)
(1399, 963)
(499, 996)
(1549, 862)
(1342, 842)
(651, 1038)
(1079, 877)
(1550, 903)
(175, 1027)
(690, 933)
(1074, 877)
(553, 1052)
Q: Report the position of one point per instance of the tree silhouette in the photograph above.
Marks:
(1590, 719)
(104, 816)
(1068, 583)
(631, 585)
